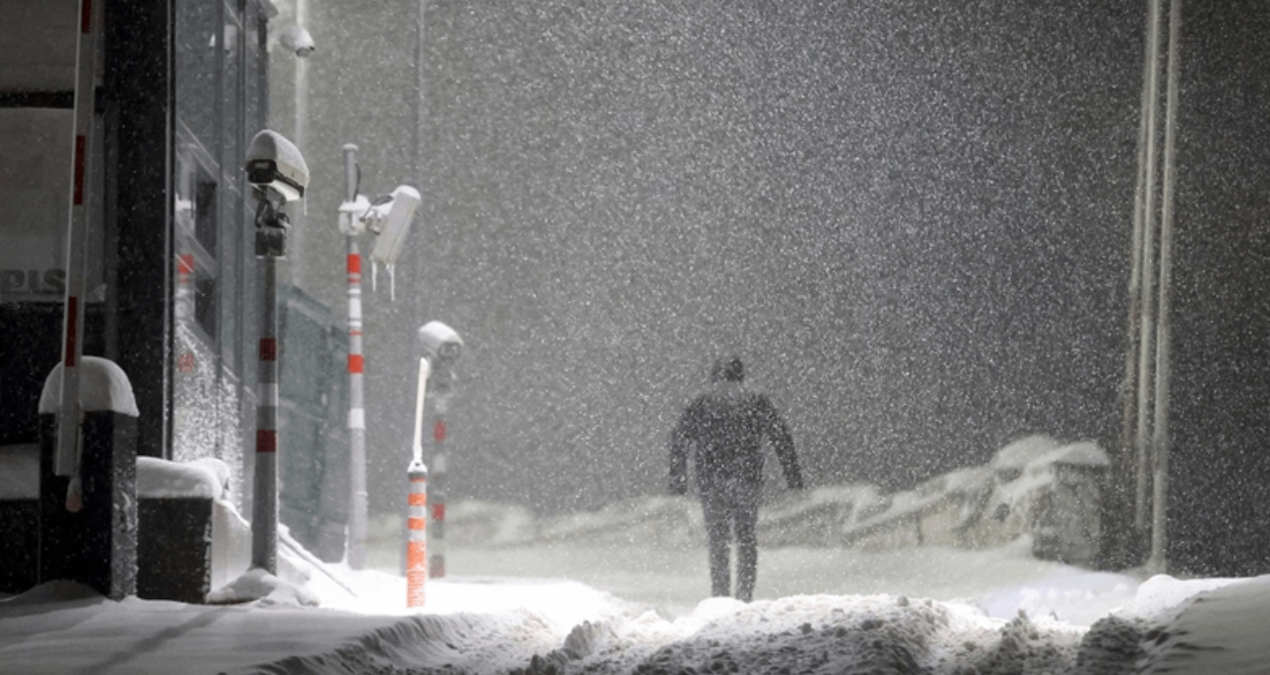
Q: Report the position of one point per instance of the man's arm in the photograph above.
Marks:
(783, 442)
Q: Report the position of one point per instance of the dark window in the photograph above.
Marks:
(198, 242)
(206, 224)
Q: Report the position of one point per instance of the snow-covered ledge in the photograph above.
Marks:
(103, 387)
(163, 479)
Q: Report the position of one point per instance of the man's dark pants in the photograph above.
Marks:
(731, 507)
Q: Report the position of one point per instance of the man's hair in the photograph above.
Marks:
(729, 369)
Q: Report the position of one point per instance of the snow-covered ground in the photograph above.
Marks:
(603, 607)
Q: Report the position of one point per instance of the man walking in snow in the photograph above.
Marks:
(724, 430)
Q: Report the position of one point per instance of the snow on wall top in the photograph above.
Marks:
(1020, 453)
(1086, 453)
(160, 478)
(156, 478)
(103, 386)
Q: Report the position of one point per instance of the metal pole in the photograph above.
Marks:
(264, 519)
(1146, 345)
(1124, 467)
(417, 510)
(436, 564)
(1157, 563)
(356, 383)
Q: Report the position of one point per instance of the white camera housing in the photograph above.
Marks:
(389, 218)
(298, 40)
(274, 163)
(441, 343)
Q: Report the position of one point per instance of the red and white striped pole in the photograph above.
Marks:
(417, 514)
(279, 174)
(264, 517)
(436, 564)
(66, 459)
(358, 504)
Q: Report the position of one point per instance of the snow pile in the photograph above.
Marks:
(821, 634)
(820, 609)
(1221, 630)
(1034, 486)
(258, 585)
(478, 625)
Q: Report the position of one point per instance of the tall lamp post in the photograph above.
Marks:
(389, 219)
(277, 170)
(442, 347)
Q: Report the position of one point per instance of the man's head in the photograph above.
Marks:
(728, 369)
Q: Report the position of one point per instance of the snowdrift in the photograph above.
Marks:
(1034, 486)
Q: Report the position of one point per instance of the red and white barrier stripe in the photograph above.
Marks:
(66, 460)
(264, 519)
(436, 565)
(358, 500)
(417, 538)
(356, 357)
(356, 412)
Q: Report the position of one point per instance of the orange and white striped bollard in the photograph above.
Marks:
(417, 541)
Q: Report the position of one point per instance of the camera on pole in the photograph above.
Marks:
(388, 218)
(278, 171)
(442, 346)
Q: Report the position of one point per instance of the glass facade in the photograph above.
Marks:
(220, 66)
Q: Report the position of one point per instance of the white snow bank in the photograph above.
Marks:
(1019, 453)
(532, 626)
(1219, 630)
(1086, 453)
(103, 386)
(259, 585)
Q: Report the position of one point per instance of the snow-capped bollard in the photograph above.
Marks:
(417, 541)
(96, 543)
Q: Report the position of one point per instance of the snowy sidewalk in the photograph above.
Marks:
(62, 628)
(531, 625)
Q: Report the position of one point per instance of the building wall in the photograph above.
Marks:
(170, 270)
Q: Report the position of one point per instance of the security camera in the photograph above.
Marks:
(442, 344)
(298, 40)
(275, 164)
(389, 217)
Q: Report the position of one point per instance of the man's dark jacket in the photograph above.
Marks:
(725, 429)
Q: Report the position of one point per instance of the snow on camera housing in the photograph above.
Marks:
(441, 342)
(275, 164)
(389, 218)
